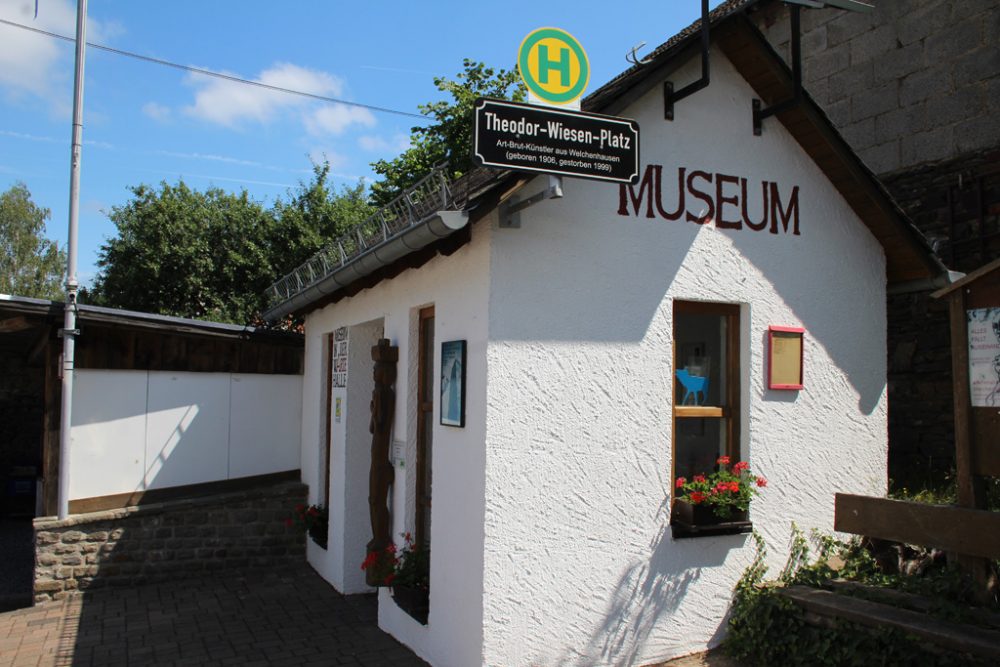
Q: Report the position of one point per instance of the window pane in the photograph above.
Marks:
(699, 442)
(700, 354)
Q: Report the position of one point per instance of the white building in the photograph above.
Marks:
(550, 526)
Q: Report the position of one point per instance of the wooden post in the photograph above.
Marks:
(50, 431)
(964, 464)
(975, 426)
(383, 407)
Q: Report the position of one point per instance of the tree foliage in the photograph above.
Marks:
(30, 264)
(212, 254)
(449, 138)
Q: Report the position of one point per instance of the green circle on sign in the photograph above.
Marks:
(529, 77)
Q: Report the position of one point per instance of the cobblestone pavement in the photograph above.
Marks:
(245, 619)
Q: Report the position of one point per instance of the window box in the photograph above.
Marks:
(414, 601)
(687, 520)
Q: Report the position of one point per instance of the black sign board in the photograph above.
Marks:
(526, 137)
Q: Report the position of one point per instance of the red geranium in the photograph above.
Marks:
(726, 490)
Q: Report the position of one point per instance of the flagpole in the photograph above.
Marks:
(69, 330)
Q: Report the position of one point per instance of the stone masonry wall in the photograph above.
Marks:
(912, 82)
(168, 541)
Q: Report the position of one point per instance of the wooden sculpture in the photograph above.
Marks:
(381, 474)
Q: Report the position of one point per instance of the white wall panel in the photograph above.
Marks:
(265, 424)
(187, 432)
(107, 445)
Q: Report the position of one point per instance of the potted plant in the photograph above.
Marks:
(312, 519)
(407, 572)
(715, 503)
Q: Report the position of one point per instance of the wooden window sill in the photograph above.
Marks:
(698, 411)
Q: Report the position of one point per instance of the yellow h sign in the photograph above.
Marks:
(553, 65)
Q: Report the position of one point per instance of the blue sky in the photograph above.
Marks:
(145, 123)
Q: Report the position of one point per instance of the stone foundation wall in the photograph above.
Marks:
(168, 541)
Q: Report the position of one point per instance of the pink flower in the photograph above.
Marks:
(681, 481)
(697, 497)
(740, 467)
(700, 479)
(761, 482)
(734, 487)
(722, 460)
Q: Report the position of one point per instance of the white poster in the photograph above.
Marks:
(984, 357)
(339, 360)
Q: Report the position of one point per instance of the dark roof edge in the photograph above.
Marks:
(101, 314)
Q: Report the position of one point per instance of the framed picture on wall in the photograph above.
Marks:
(785, 352)
(453, 383)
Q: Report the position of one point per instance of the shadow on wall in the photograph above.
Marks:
(607, 277)
(647, 595)
(135, 431)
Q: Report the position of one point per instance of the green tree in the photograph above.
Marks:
(211, 255)
(30, 264)
(313, 216)
(449, 138)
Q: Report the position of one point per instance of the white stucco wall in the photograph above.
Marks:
(580, 565)
(138, 430)
(457, 287)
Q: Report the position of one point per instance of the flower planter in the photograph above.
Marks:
(318, 532)
(687, 520)
(414, 601)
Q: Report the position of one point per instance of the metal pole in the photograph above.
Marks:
(69, 331)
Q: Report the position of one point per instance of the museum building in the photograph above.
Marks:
(532, 383)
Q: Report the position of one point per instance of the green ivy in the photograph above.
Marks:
(766, 628)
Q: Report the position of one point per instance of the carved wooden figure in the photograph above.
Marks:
(381, 473)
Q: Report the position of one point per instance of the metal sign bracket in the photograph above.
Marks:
(509, 211)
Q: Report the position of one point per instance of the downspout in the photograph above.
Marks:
(69, 330)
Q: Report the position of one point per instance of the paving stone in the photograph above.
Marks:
(245, 618)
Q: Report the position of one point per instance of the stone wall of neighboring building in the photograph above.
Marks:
(909, 83)
(168, 541)
(914, 88)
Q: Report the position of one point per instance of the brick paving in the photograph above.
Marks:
(245, 618)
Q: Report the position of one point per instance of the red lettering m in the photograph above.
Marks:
(627, 192)
(789, 214)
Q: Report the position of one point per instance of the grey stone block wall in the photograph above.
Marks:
(168, 541)
(913, 82)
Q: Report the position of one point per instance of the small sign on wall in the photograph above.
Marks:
(340, 357)
(338, 403)
(785, 350)
(453, 383)
(984, 357)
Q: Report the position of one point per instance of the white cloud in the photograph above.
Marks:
(377, 143)
(321, 155)
(27, 137)
(156, 111)
(335, 118)
(36, 65)
(229, 103)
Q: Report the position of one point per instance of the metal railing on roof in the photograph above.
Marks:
(431, 194)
